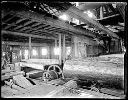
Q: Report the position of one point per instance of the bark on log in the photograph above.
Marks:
(107, 70)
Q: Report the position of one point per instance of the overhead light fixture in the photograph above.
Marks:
(63, 17)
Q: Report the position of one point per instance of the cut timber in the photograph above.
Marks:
(21, 81)
(11, 74)
(14, 86)
(7, 71)
(71, 84)
(65, 88)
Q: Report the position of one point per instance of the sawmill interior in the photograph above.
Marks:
(63, 49)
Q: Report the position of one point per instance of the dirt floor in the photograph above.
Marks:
(47, 90)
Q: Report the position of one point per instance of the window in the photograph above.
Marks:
(26, 54)
(56, 51)
(44, 51)
(34, 52)
(68, 51)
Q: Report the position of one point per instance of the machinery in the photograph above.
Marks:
(103, 74)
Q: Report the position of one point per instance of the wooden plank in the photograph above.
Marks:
(18, 27)
(27, 23)
(10, 18)
(24, 28)
(35, 25)
(20, 20)
(3, 77)
(8, 26)
(27, 35)
(22, 81)
(66, 87)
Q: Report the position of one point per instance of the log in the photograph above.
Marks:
(65, 88)
(98, 69)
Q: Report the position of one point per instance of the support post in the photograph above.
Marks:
(64, 55)
(101, 12)
(29, 48)
(60, 57)
(55, 43)
(75, 46)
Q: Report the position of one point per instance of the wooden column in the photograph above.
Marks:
(60, 56)
(75, 46)
(101, 12)
(30, 46)
(64, 53)
(55, 43)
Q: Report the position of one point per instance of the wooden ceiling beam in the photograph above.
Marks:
(20, 20)
(23, 44)
(10, 18)
(8, 26)
(27, 35)
(76, 13)
(56, 23)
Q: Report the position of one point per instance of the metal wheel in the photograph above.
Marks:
(57, 69)
(49, 75)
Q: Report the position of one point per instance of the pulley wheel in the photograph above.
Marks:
(49, 75)
(57, 69)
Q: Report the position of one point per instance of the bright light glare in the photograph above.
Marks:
(64, 17)
(90, 14)
(68, 51)
(44, 51)
(56, 51)
(26, 54)
(34, 52)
